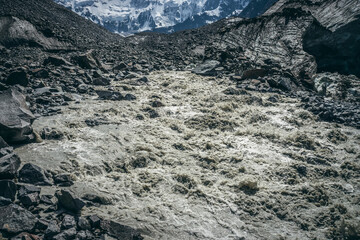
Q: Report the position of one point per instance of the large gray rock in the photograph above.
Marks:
(68, 200)
(33, 174)
(207, 68)
(9, 164)
(120, 231)
(15, 219)
(15, 117)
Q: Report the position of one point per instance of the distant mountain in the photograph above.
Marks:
(131, 16)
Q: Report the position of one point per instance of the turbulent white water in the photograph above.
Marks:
(211, 166)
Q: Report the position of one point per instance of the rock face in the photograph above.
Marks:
(336, 51)
(15, 118)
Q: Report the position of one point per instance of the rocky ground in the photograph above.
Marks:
(196, 157)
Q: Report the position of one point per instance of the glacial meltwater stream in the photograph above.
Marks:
(193, 159)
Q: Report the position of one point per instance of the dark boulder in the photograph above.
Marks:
(121, 66)
(120, 231)
(208, 68)
(94, 221)
(51, 134)
(29, 195)
(15, 117)
(7, 189)
(254, 73)
(9, 163)
(5, 201)
(40, 73)
(18, 77)
(83, 223)
(33, 174)
(56, 61)
(109, 95)
(68, 201)
(52, 230)
(3, 144)
(101, 81)
(64, 180)
(68, 222)
(87, 60)
(65, 235)
(15, 219)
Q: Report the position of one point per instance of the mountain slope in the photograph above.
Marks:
(55, 21)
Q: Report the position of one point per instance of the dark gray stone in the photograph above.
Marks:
(5, 201)
(15, 117)
(83, 223)
(56, 61)
(68, 222)
(69, 201)
(15, 219)
(33, 174)
(52, 229)
(9, 164)
(18, 77)
(207, 68)
(101, 81)
(109, 95)
(65, 235)
(7, 189)
(119, 231)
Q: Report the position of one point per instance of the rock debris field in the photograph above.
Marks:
(196, 158)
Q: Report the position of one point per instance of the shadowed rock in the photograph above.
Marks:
(7, 189)
(207, 68)
(15, 117)
(120, 231)
(33, 174)
(69, 201)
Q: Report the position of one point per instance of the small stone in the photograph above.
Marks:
(56, 61)
(9, 164)
(65, 235)
(64, 180)
(18, 77)
(68, 222)
(52, 230)
(101, 82)
(84, 224)
(47, 199)
(94, 221)
(119, 231)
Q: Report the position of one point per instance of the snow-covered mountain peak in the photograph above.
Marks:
(130, 16)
